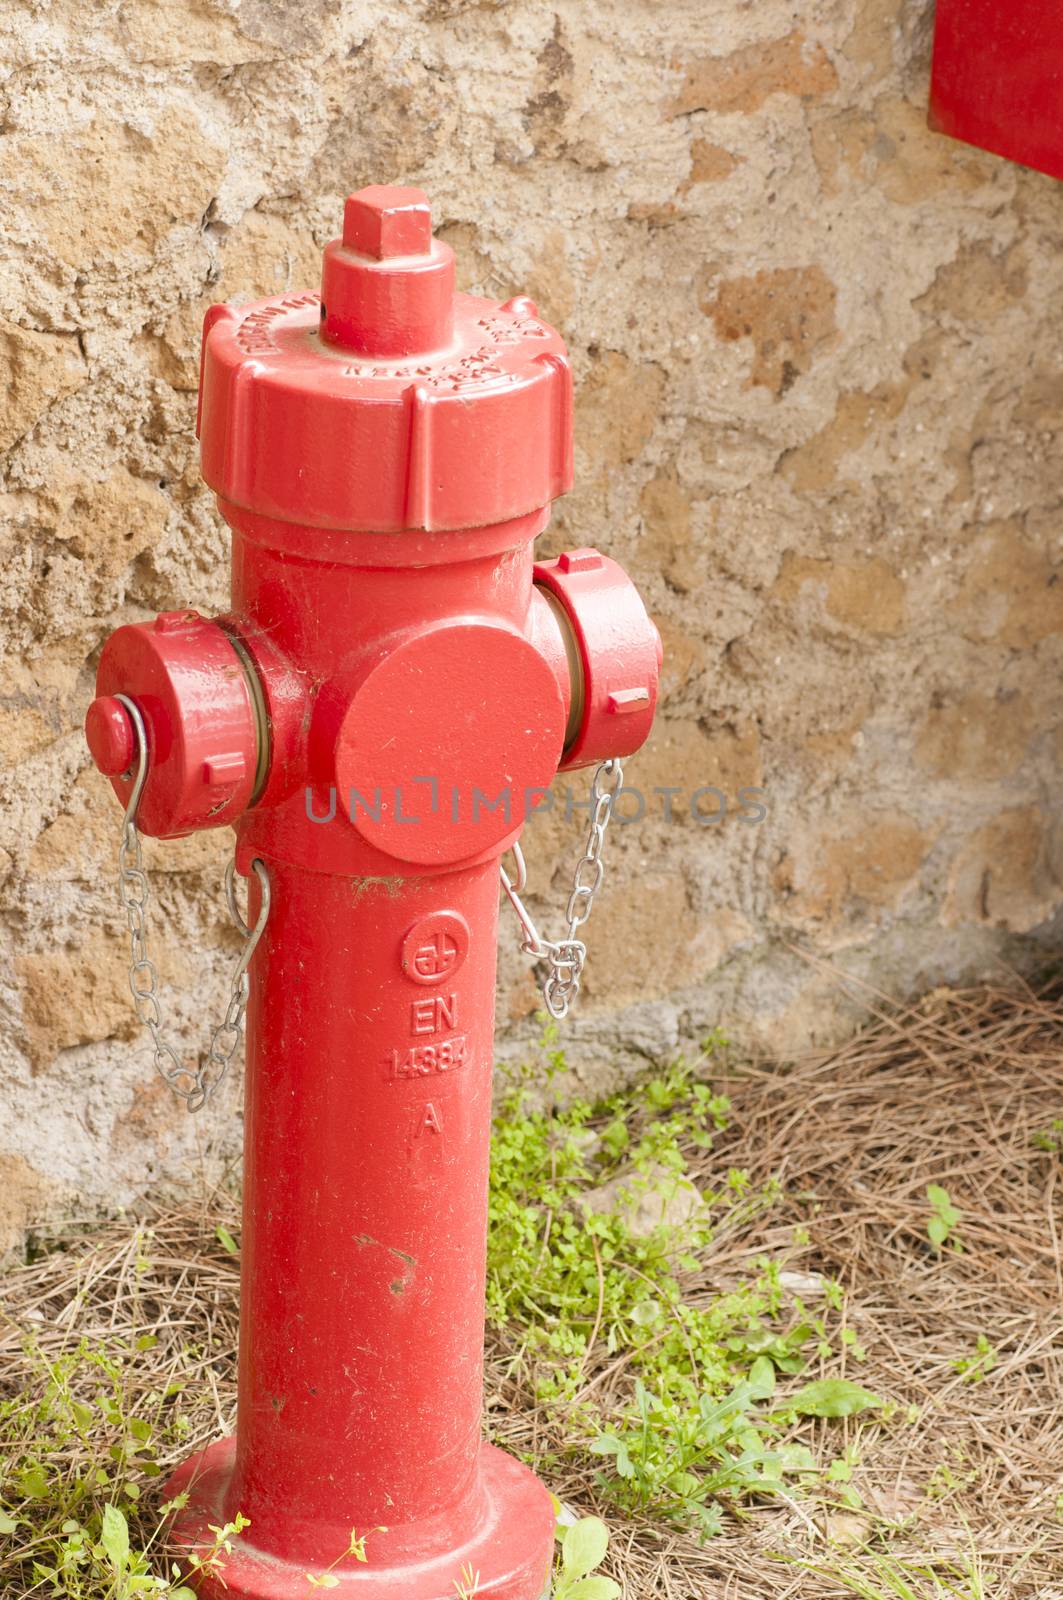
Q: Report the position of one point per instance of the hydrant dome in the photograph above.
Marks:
(388, 402)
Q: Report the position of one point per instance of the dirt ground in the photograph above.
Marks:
(955, 1490)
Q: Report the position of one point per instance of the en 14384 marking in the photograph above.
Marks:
(425, 1060)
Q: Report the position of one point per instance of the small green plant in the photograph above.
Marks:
(839, 1475)
(952, 1476)
(974, 1368)
(210, 1564)
(681, 1465)
(1049, 1139)
(943, 1218)
(356, 1548)
(850, 1342)
(584, 1546)
(829, 1397)
(678, 1462)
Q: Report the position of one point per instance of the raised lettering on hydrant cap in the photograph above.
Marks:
(395, 686)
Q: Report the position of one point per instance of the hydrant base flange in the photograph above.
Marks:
(509, 1545)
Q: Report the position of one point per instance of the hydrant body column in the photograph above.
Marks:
(366, 1180)
(391, 695)
(369, 1072)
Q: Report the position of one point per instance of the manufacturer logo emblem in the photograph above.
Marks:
(435, 947)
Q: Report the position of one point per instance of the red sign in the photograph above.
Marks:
(998, 78)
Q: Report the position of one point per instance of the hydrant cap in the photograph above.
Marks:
(389, 402)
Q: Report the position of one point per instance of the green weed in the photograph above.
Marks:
(355, 1547)
(974, 1368)
(578, 1284)
(583, 1547)
(943, 1218)
(75, 1457)
(1049, 1139)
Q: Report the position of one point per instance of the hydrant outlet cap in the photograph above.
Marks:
(619, 649)
(203, 736)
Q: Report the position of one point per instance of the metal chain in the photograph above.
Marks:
(566, 957)
(194, 1087)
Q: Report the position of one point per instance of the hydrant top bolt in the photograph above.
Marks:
(387, 287)
(385, 220)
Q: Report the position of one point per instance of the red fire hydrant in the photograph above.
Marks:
(393, 691)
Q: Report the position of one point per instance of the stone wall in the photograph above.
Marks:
(819, 361)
